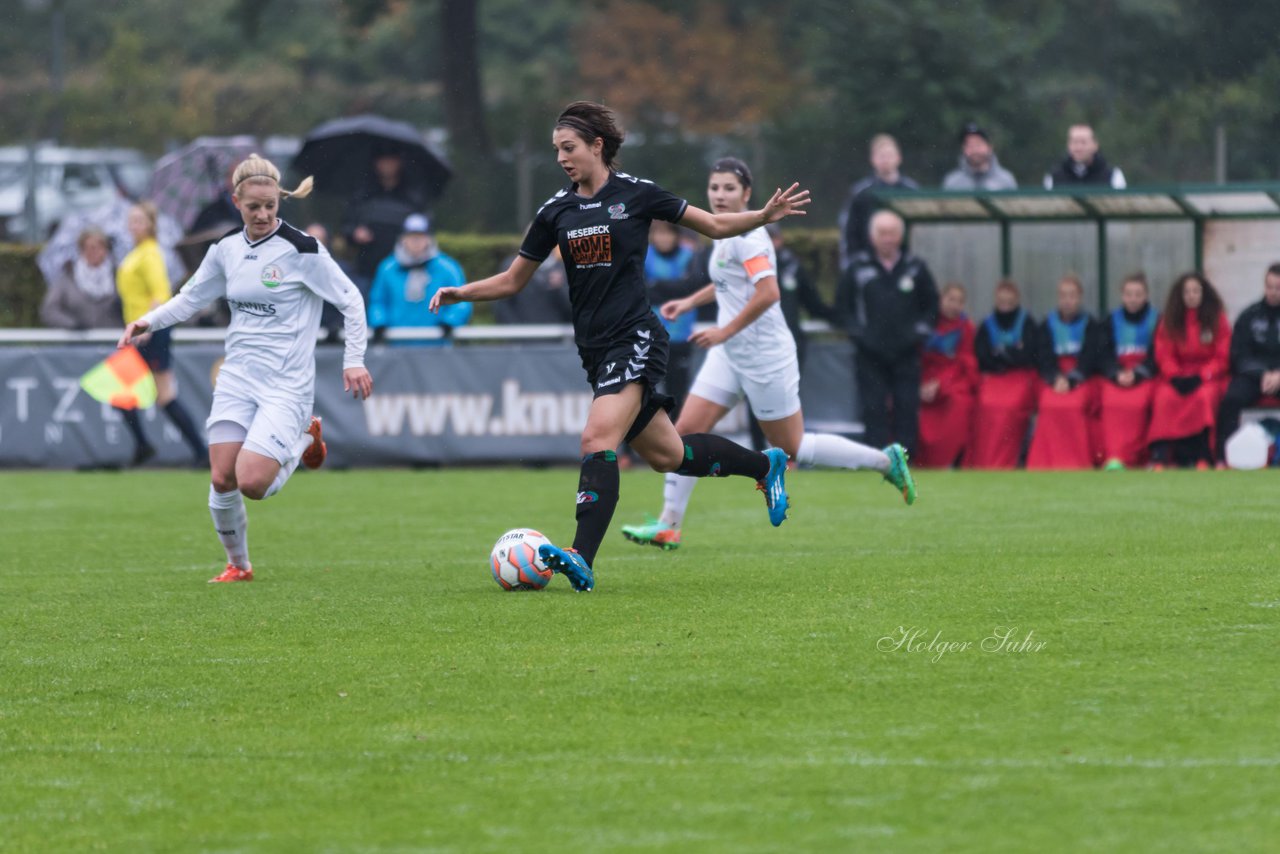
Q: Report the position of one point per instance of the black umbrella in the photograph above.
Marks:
(340, 154)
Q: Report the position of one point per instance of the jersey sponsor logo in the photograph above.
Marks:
(588, 497)
(251, 257)
(906, 284)
(618, 211)
(614, 381)
(257, 309)
(590, 207)
(272, 276)
(591, 246)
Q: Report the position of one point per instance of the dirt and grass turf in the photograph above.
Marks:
(374, 690)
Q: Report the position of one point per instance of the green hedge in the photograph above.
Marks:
(22, 288)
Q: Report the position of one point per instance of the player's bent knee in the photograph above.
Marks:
(661, 461)
(255, 490)
(223, 481)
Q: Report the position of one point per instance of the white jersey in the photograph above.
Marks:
(276, 288)
(737, 264)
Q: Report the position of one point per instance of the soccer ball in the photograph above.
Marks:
(515, 562)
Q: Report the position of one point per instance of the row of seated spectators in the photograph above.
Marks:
(1074, 392)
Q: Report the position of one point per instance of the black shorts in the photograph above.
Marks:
(639, 356)
(156, 351)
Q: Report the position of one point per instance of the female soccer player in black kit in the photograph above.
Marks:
(601, 224)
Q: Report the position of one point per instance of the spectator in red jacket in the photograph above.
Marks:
(1006, 348)
(949, 378)
(1128, 371)
(1067, 431)
(1193, 346)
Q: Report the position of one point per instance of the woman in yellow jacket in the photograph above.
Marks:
(143, 283)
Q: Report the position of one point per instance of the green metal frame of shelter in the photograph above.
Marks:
(1195, 202)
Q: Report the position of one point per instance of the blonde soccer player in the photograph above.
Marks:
(276, 280)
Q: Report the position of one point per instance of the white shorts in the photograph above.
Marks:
(772, 396)
(268, 422)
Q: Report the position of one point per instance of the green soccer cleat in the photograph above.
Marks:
(653, 533)
(899, 473)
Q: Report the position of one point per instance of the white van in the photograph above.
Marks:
(66, 180)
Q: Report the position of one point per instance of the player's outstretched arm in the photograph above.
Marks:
(509, 281)
(783, 203)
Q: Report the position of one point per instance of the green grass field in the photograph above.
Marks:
(374, 690)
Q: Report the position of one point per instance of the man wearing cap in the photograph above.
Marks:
(979, 168)
(408, 278)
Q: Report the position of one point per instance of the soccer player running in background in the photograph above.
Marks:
(276, 279)
(601, 224)
(751, 353)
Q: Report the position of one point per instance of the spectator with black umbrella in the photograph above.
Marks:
(386, 171)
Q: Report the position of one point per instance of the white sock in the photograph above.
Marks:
(232, 525)
(288, 468)
(828, 449)
(676, 493)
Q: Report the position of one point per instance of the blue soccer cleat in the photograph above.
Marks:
(899, 473)
(775, 491)
(571, 564)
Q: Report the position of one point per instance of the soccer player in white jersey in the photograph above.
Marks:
(276, 279)
(751, 353)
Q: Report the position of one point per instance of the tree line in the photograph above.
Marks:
(797, 87)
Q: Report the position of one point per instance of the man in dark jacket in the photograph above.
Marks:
(1084, 164)
(888, 301)
(376, 213)
(1255, 358)
(855, 221)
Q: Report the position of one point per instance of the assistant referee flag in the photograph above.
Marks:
(122, 380)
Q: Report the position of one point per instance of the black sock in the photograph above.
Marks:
(178, 415)
(597, 498)
(708, 455)
(134, 423)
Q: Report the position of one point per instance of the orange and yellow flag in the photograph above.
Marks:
(122, 379)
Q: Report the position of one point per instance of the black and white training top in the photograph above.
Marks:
(276, 288)
(603, 240)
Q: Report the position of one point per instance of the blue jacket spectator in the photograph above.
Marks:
(407, 279)
(664, 269)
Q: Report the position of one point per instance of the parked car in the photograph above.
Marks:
(66, 179)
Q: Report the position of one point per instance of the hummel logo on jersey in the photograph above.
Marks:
(641, 352)
(617, 211)
(614, 381)
(251, 257)
(591, 206)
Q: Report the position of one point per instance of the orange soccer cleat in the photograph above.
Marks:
(233, 573)
(313, 457)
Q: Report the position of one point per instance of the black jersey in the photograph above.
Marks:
(603, 240)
